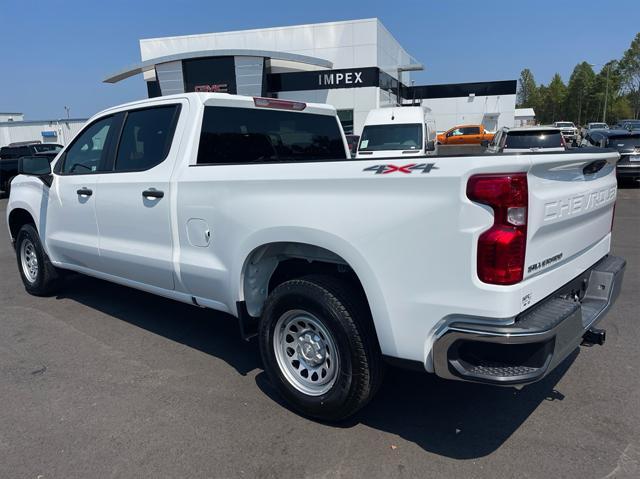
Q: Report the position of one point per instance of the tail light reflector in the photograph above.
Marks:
(280, 104)
(613, 216)
(502, 248)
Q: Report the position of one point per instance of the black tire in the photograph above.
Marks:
(48, 278)
(343, 311)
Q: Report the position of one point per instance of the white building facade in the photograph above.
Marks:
(353, 65)
(8, 116)
(54, 131)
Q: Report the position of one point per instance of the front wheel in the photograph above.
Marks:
(319, 347)
(39, 276)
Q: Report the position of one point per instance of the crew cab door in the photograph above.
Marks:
(133, 200)
(71, 231)
(471, 135)
(455, 136)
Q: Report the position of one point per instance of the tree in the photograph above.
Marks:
(578, 92)
(619, 110)
(630, 74)
(556, 94)
(527, 89)
(606, 83)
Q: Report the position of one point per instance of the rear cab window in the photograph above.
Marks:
(236, 135)
(624, 141)
(534, 139)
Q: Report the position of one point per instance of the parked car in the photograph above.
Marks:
(597, 126)
(471, 268)
(591, 127)
(628, 125)
(465, 135)
(25, 149)
(402, 131)
(9, 169)
(627, 143)
(569, 131)
(527, 139)
(352, 141)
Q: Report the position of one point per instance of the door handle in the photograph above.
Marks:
(153, 193)
(84, 192)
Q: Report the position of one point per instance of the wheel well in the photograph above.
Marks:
(17, 219)
(273, 264)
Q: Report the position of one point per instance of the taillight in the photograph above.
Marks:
(501, 249)
(563, 141)
(281, 104)
(613, 216)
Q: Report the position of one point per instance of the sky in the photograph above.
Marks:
(56, 54)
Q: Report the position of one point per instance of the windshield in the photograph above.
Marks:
(624, 142)
(565, 124)
(595, 126)
(41, 148)
(391, 137)
(534, 139)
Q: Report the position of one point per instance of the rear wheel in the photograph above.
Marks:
(39, 276)
(319, 347)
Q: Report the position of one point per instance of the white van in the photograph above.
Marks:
(398, 131)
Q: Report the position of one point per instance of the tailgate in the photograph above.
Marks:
(571, 201)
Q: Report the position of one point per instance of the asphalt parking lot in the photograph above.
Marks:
(104, 381)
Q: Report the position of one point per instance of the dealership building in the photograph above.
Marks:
(353, 65)
(15, 129)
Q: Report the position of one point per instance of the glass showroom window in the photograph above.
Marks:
(346, 119)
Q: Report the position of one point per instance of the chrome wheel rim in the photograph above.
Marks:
(29, 260)
(306, 352)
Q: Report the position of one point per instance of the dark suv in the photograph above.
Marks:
(627, 143)
(9, 159)
(17, 150)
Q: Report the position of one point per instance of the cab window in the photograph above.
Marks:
(86, 153)
(146, 138)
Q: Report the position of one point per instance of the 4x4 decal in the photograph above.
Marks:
(406, 169)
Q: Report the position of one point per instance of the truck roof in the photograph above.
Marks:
(221, 99)
(398, 114)
(532, 128)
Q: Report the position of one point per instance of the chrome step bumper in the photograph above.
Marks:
(539, 339)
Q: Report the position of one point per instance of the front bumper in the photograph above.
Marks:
(540, 337)
(628, 170)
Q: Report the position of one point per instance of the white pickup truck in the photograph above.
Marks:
(477, 268)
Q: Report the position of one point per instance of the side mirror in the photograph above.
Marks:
(38, 166)
(484, 143)
(34, 166)
(430, 146)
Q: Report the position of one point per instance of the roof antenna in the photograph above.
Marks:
(393, 116)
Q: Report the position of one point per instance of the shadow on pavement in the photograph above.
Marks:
(449, 418)
(211, 332)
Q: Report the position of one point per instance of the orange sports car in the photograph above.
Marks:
(465, 135)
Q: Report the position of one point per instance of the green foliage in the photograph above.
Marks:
(527, 89)
(630, 74)
(582, 99)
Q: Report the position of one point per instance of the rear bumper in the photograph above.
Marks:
(539, 339)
